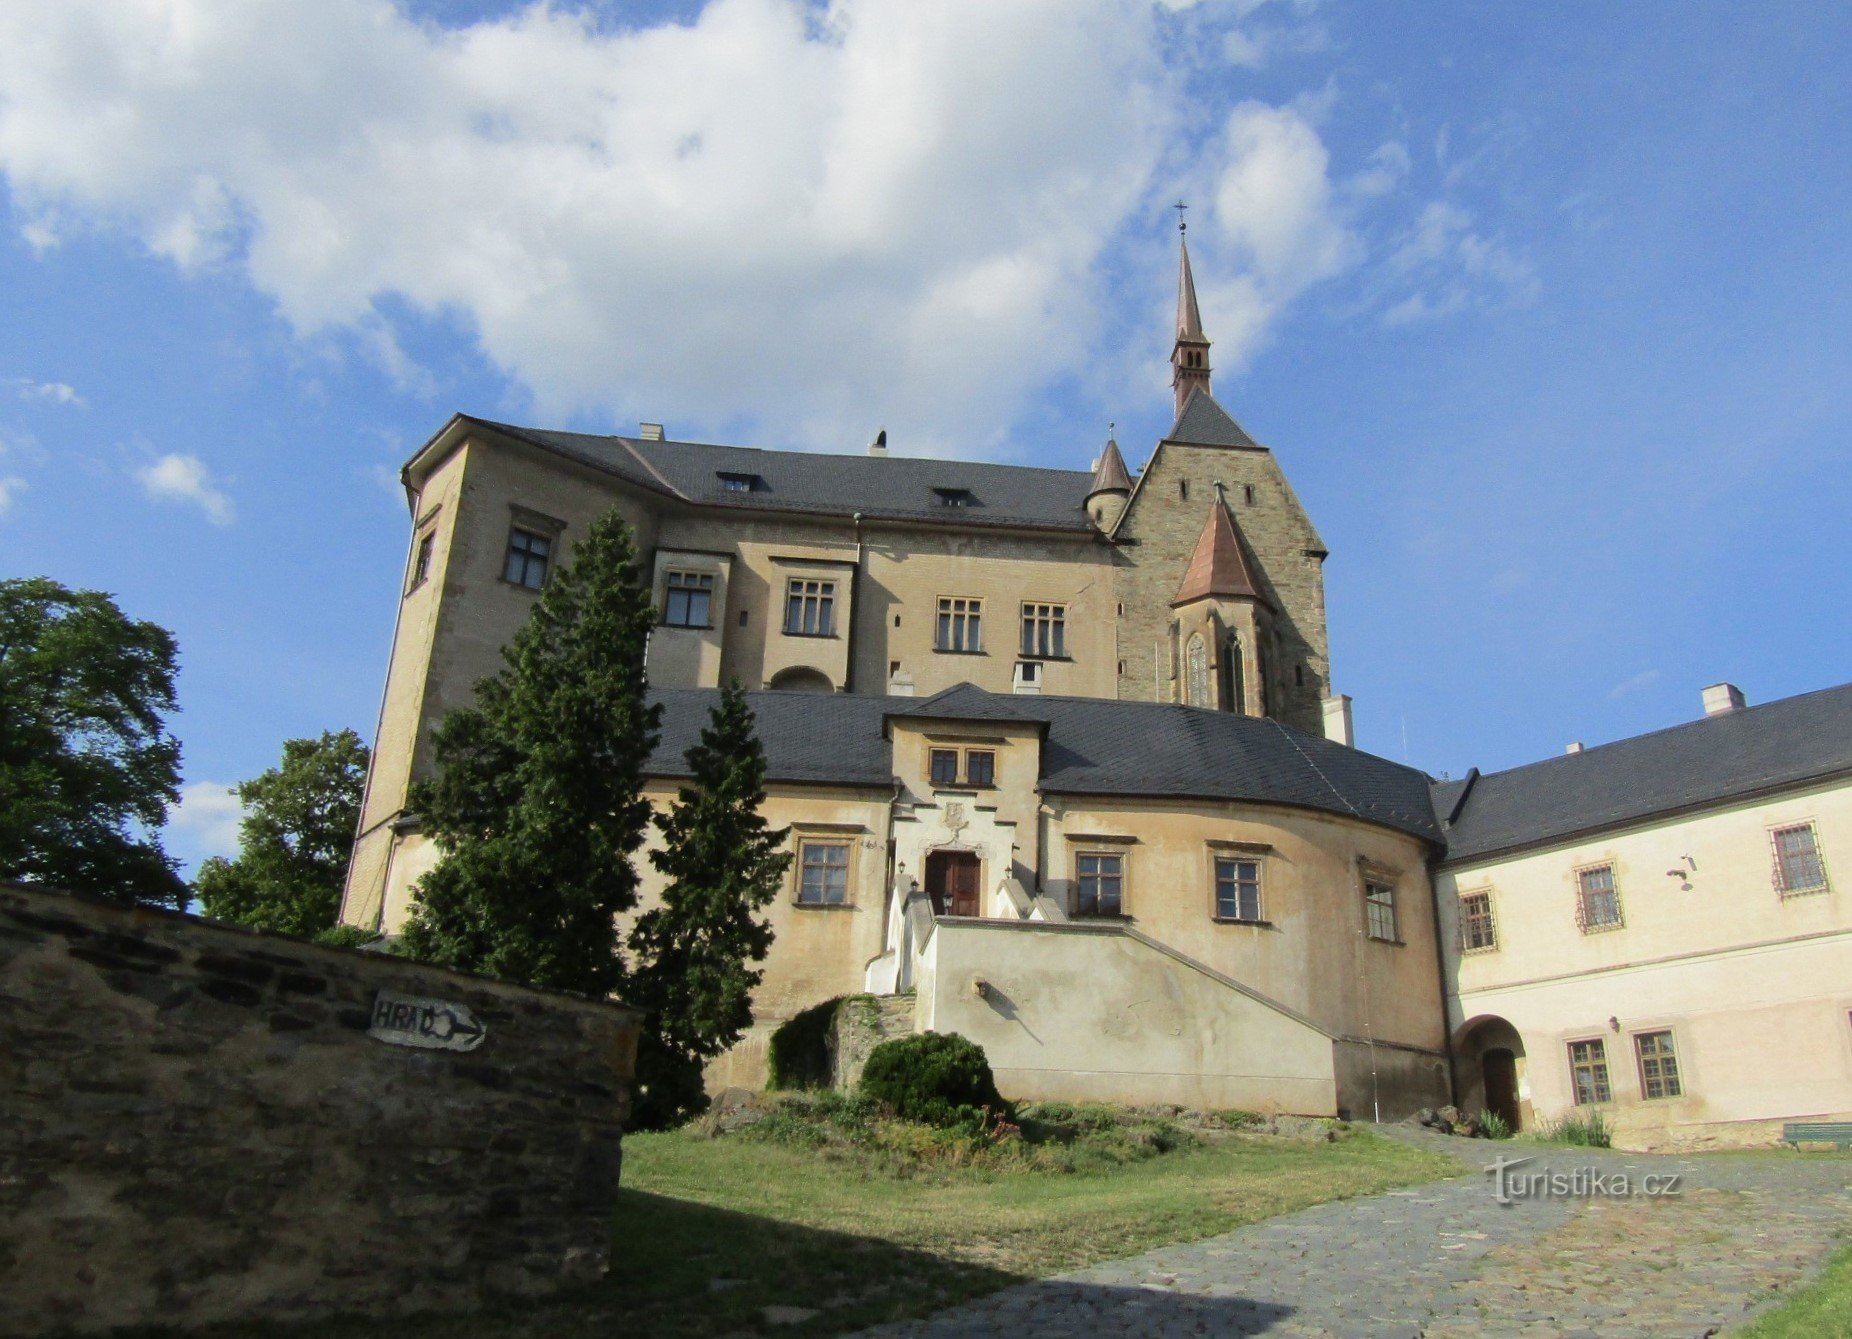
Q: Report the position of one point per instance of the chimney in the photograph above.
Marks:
(878, 447)
(1720, 699)
(1337, 720)
(650, 432)
(1575, 746)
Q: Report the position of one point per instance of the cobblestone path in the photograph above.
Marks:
(1448, 1261)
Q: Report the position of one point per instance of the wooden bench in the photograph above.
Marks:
(1836, 1133)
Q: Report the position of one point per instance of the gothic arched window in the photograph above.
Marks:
(1196, 665)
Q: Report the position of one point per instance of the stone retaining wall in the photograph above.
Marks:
(196, 1125)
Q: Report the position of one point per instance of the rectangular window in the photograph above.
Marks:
(1476, 928)
(1798, 866)
(1597, 899)
(1379, 908)
(823, 874)
(1100, 882)
(1237, 889)
(528, 556)
(421, 561)
(1044, 630)
(688, 601)
(960, 625)
(944, 767)
(1658, 1065)
(810, 607)
(980, 767)
(1588, 1069)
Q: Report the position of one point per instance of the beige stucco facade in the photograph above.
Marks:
(1753, 986)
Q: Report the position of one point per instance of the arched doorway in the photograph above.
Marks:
(802, 679)
(1491, 1069)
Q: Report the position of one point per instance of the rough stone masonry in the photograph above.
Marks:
(202, 1123)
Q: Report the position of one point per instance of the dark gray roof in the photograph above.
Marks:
(1203, 422)
(880, 487)
(1719, 758)
(1093, 747)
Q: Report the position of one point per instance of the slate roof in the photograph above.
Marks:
(1203, 422)
(1719, 758)
(1092, 747)
(880, 487)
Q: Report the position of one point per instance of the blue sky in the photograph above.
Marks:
(1547, 310)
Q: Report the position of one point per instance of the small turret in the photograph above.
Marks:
(1112, 486)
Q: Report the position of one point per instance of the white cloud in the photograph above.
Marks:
(775, 218)
(1644, 679)
(11, 486)
(205, 822)
(1451, 267)
(53, 392)
(177, 478)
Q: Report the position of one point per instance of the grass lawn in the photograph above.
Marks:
(709, 1232)
(1821, 1310)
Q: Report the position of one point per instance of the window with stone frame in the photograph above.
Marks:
(1099, 883)
(980, 767)
(823, 873)
(1798, 865)
(1477, 930)
(942, 767)
(1597, 899)
(1658, 1065)
(1237, 888)
(961, 625)
(1588, 1072)
(1379, 910)
(421, 560)
(810, 607)
(688, 599)
(529, 555)
(1044, 631)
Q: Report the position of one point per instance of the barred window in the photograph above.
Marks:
(1044, 630)
(980, 767)
(1237, 889)
(960, 625)
(1379, 907)
(1597, 899)
(823, 878)
(1658, 1065)
(944, 767)
(1588, 1069)
(1476, 928)
(528, 556)
(1798, 866)
(688, 601)
(810, 608)
(1101, 884)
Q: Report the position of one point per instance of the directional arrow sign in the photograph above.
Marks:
(437, 1025)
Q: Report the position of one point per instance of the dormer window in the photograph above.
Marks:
(738, 483)
(955, 497)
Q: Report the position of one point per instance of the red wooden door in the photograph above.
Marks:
(952, 882)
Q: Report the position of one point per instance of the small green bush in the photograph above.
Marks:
(1493, 1126)
(345, 936)
(1589, 1131)
(935, 1078)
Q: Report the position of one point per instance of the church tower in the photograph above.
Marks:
(1219, 570)
(1189, 356)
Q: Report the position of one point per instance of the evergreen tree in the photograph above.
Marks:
(87, 765)
(294, 840)
(537, 804)
(693, 952)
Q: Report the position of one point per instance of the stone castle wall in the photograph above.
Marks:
(198, 1127)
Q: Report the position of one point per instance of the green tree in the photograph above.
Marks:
(87, 766)
(692, 953)
(294, 840)
(537, 805)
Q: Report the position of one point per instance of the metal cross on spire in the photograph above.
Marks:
(1182, 226)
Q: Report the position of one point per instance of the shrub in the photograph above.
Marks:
(936, 1078)
(345, 936)
(1589, 1131)
(1493, 1126)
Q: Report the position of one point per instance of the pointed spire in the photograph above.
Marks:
(1110, 475)
(1189, 357)
(1219, 567)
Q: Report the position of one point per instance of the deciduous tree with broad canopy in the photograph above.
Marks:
(294, 840)
(88, 768)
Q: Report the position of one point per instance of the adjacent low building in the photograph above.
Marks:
(1652, 929)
